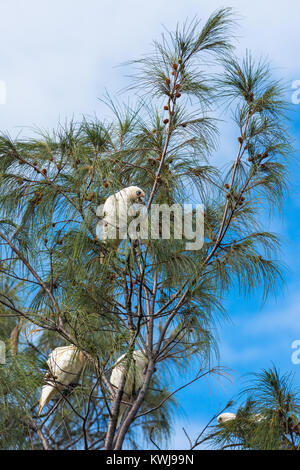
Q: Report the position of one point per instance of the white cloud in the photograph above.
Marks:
(58, 57)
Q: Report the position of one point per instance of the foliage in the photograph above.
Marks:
(152, 295)
(269, 419)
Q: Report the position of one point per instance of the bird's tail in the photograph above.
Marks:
(121, 411)
(47, 392)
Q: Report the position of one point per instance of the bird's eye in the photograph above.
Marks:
(138, 193)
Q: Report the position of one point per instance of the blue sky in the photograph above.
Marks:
(58, 57)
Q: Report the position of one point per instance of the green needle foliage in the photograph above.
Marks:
(269, 418)
(151, 295)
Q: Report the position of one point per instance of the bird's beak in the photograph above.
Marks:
(141, 200)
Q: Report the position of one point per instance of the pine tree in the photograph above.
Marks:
(268, 418)
(149, 295)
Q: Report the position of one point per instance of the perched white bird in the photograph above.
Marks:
(115, 215)
(134, 376)
(65, 364)
(224, 417)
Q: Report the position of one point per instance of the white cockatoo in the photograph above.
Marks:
(224, 417)
(115, 215)
(135, 374)
(65, 364)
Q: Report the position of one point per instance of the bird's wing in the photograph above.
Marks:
(117, 372)
(134, 377)
(65, 364)
(135, 373)
(140, 363)
(100, 210)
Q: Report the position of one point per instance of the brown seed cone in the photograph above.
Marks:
(241, 140)
(166, 108)
(14, 340)
(165, 121)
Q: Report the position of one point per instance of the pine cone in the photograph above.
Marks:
(14, 340)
